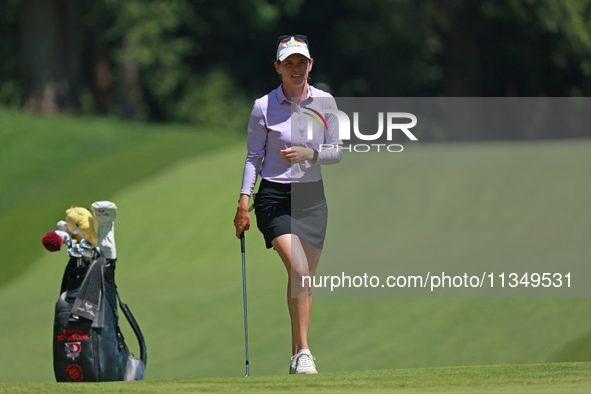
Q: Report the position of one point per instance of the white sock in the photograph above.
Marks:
(305, 351)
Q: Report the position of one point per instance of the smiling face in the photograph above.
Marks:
(294, 70)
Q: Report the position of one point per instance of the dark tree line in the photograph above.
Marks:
(200, 60)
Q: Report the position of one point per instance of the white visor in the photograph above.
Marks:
(290, 47)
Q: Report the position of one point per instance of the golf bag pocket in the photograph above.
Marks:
(70, 362)
(82, 353)
(88, 345)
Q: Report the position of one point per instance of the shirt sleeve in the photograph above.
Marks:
(256, 146)
(334, 153)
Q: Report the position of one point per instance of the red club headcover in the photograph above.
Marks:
(52, 241)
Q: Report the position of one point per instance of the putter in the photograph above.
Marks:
(244, 298)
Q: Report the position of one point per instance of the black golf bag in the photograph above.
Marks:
(88, 345)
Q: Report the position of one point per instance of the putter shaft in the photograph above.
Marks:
(242, 247)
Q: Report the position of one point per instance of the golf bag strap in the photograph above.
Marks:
(136, 330)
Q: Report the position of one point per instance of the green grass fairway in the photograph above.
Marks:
(48, 164)
(474, 208)
(179, 267)
(540, 378)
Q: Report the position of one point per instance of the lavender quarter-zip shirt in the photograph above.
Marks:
(276, 123)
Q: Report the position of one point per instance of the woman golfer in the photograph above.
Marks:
(289, 138)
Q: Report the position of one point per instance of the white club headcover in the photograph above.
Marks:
(62, 226)
(104, 213)
(63, 235)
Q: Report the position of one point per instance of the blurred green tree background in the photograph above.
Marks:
(203, 62)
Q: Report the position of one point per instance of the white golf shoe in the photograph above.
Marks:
(303, 363)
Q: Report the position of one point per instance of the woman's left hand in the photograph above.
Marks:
(297, 154)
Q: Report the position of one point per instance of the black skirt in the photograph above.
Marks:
(292, 208)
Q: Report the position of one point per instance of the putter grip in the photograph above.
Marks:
(242, 242)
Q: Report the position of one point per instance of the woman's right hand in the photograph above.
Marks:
(242, 218)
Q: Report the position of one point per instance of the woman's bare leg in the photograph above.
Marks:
(300, 260)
